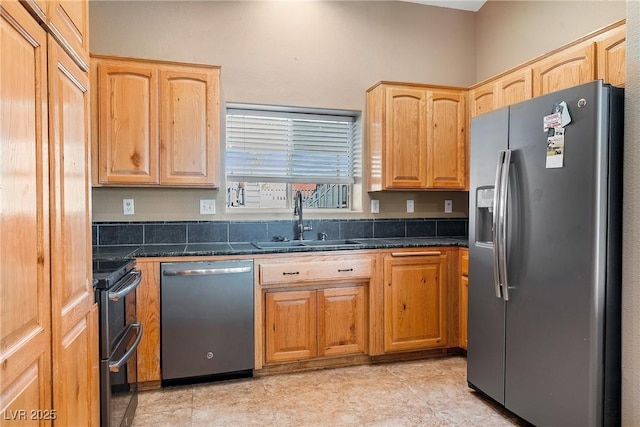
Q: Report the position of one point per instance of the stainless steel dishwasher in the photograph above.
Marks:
(206, 319)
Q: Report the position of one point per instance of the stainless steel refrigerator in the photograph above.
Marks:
(545, 207)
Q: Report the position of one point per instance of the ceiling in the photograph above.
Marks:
(472, 5)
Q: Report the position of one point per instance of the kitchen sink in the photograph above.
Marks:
(304, 243)
(268, 245)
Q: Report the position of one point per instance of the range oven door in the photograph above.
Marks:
(118, 382)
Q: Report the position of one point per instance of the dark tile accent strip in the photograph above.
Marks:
(208, 232)
(121, 234)
(248, 231)
(421, 228)
(189, 232)
(452, 228)
(165, 233)
(389, 228)
(356, 229)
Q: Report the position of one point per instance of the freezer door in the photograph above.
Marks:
(556, 261)
(485, 351)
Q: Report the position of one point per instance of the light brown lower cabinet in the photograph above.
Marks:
(148, 314)
(463, 304)
(304, 324)
(415, 300)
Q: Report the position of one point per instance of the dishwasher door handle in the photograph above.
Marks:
(207, 271)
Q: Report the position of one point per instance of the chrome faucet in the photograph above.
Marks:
(297, 210)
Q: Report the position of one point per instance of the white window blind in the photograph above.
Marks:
(265, 145)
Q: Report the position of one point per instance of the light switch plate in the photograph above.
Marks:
(207, 206)
(448, 206)
(375, 206)
(127, 207)
(409, 206)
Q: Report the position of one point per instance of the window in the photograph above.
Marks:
(274, 152)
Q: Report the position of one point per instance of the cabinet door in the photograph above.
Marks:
(68, 21)
(567, 68)
(405, 149)
(75, 357)
(514, 87)
(414, 302)
(341, 321)
(446, 139)
(148, 314)
(464, 313)
(128, 121)
(189, 134)
(25, 311)
(290, 325)
(612, 55)
(483, 99)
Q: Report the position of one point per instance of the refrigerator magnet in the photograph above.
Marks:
(565, 117)
(555, 149)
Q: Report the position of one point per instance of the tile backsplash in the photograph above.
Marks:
(183, 232)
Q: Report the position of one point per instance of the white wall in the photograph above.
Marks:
(509, 33)
(322, 54)
(631, 224)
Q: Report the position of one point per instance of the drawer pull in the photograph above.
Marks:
(285, 273)
(345, 270)
(405, 254)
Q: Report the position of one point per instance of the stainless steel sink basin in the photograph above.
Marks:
(268, 245)
(304, 243)
(338, 242)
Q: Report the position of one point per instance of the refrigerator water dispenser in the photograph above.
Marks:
(484, 215)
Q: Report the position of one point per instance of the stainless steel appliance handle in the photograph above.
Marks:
(207, 271)
(129, 283)
(504, 198)
(115, 366)
(496, 229)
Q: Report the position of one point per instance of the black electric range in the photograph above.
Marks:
(107, 273)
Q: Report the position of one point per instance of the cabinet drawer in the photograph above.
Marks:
(314, 271)
(464, 262)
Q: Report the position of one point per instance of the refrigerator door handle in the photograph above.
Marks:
(496, 223)
(504, 197)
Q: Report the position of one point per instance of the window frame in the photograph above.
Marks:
(305, 113)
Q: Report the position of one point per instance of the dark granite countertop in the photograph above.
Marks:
(248, 248)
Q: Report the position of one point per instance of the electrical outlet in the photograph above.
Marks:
(127, 207)
(207, 206)
(375, 206)
(448, 206)
(409, 206)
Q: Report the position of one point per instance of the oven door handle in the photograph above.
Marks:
(129, 284)
(115, 366)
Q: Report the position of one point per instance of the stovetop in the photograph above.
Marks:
(107, 273)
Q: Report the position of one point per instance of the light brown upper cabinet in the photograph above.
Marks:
(567, 68)
(416, 137)
(155, 123)
(68, 23)
(612, 54)
(514, 87)
(446, 138)
(505, 90)
(599, 55)
(483, 99)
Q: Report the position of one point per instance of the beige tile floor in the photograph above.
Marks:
(430, 392)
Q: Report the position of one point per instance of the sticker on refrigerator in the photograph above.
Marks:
(555, 149)
(559, 117)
